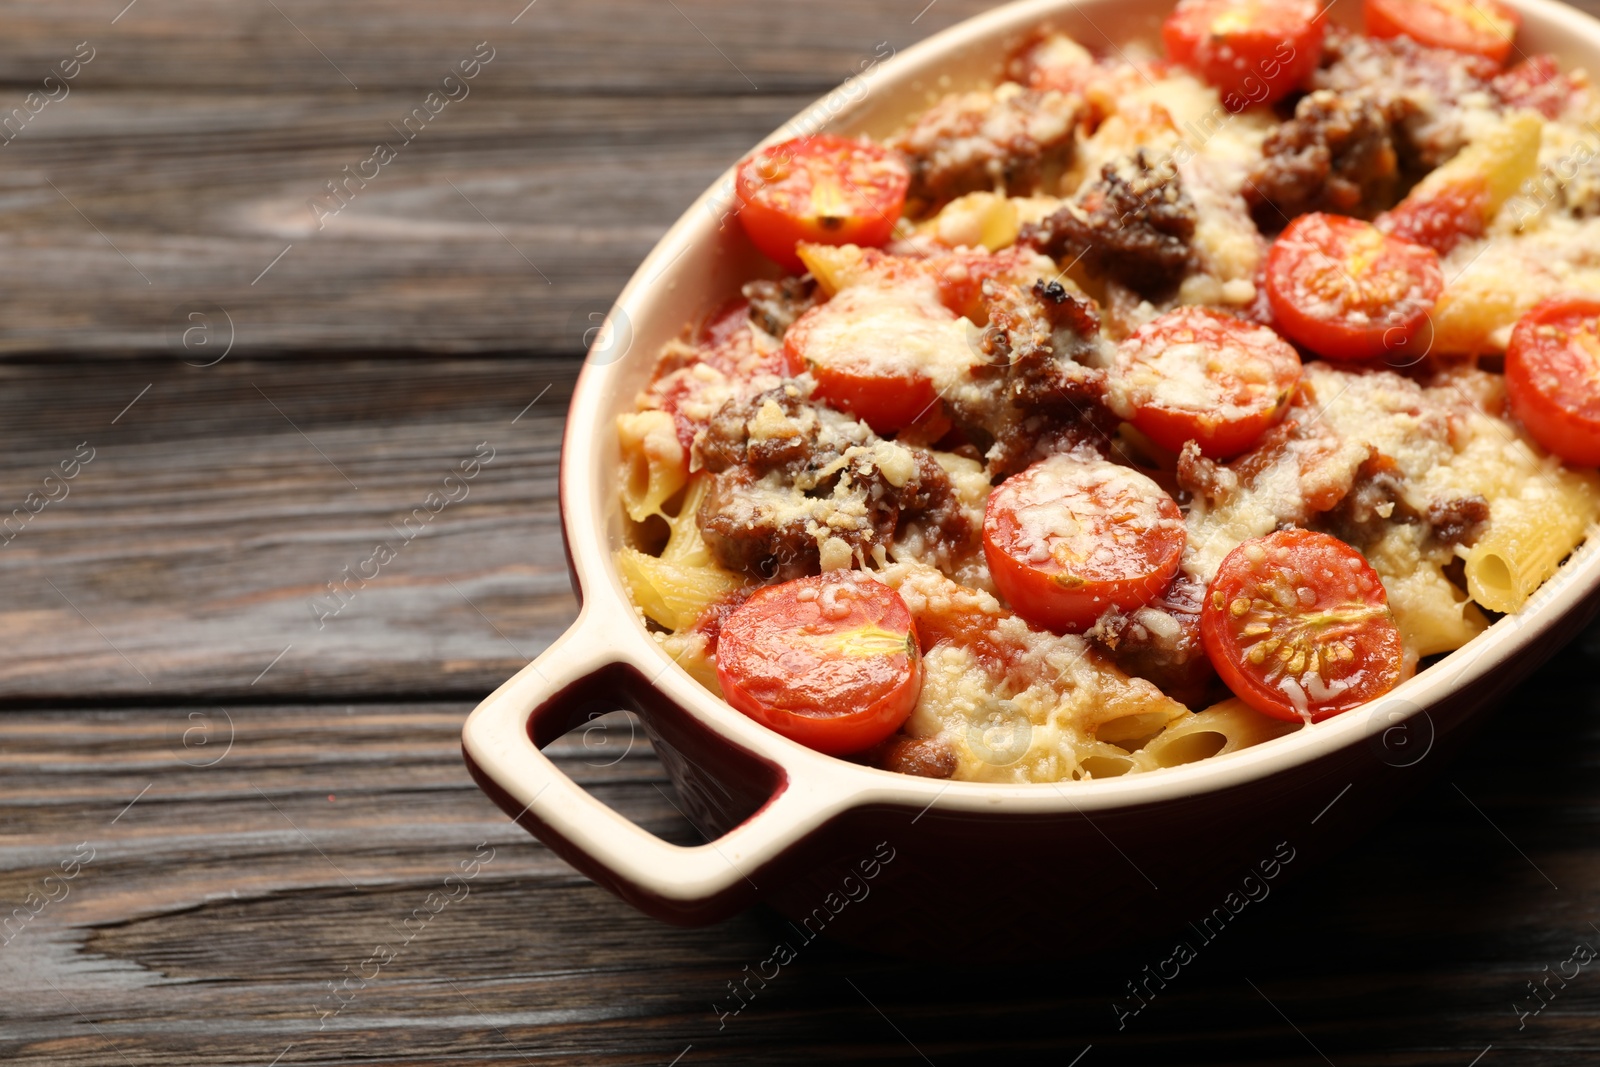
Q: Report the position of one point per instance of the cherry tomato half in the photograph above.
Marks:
(1537, 83)
(1478, 27)
(726, 344)
(870, 351)
(1252, 51)
(1203, 375)
(1442, 217)
(1553, 377)
(1298, 626)
(1070, 537)
(1347, 290)
(827, 189)
(829, 661)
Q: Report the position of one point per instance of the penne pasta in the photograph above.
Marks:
(1529, 534)
(1216, 731)
(1434, 615)
(675, 588)
(655, 465)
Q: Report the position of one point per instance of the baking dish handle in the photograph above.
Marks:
(581, 671)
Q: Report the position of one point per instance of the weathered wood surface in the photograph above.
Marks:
(198, 542)
(217, 908)
(260, 823)
(497, 229)
(181, 160)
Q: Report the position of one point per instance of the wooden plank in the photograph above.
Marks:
(194, 549)
(180, 164)
(500, 227)
(242, 879)
(550, 47)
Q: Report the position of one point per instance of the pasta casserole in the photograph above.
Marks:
(1139, 407)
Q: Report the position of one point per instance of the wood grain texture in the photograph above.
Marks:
(182, 160)
(553, 47)
(248, 876)
(198, 542)
(490, 231)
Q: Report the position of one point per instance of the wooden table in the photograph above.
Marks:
(217, 802)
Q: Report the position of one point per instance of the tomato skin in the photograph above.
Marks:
(1553, 377)
(1250, 373)
(887, 403)
(830, 661)
(822, 188)
(1443, 219)
(1251, 51)
(1347, 290)
(1536, 83)
(957, 275)
(725, 343)
(1298, 625)
(869, 350)
(960, 275)
(1114, 540)
(1477, 27)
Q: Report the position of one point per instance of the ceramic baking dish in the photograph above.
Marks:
(913, 865)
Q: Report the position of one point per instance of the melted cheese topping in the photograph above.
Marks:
(1414, 426)
(1493, 282)
(1224, 384)
(1087, 515)
(1357, 413)
(1543, 241)
(978, 130)
(1041, 704)
(894, 321)
(894, 330)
